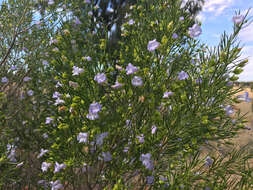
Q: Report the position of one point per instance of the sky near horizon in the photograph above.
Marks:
(216, 17)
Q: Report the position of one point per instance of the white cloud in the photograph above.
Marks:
(216, 6)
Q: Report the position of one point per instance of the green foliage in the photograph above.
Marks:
(139, 135)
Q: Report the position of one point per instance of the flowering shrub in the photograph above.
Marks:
(133, 116)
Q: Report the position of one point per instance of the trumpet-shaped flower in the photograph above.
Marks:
(137, 81)
(45, 166)
(4, 80)
(77, 70)
(58, 167)
(131, 69)
(183, 75)
(238, 19)
(100, 78)
(195, 31)
(42, 152)
(56, 185)
(82, 137)
(153, 45)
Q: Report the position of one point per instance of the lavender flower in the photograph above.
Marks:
(95, 108)
(141, 138)
(100, 138)
(131, 22)
(244, 97)
(58, 101)
(100, 78)
(42, 152)
(174, 36)
(56, 95)
(50, 2)
(117, 85)
(4, 80)
(77, 21)
(77, 70)
(153, 129)
(49, 120)
(146, 161)
(208, 161)
(58, 167)
(150, 180)
(238, 19)
(87, 58)
(92, 116)
(56, 185)
(27, 79)
(183, 75)
(137, 81)
(45, 166)
(229, 110)
(153, 45)
(181, 18)
(82, 137)
(107, 156)
(195, 31)
(44, 62)
(167, 94)
(131, 69)
(30, 92)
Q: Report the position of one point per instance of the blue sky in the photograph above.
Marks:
(216, 18)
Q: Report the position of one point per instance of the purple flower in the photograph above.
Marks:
(131, 22)
(77, 71)
(199, 80)
(137, 81)
(153, 45)
(244, 97)
(181, 18)
(131, 69)
(45, 166)
(208, 161)
(87, 58)
(56, 185)
(150, 180)
(195, 31)
(82, 137)
(56, 95)
(90, 13)
(44, 62)
(183, 75)
(13, 67)
(100, 138)
(92, 116)
(58, 85)
(248, 128)
(238, 19)
(87, 1)
(100, 78)
(59, 101)
(58, 167)
(4, 80)
(153, 130)
(229, 110)
(30, 92)
(117, 85)
(174, 36)
(77, 21)
(146, 161)
(42, 152)
(95, 108)
(167, 94)
(141, 138)
(50, 2)
(48, 120)
(27, 79)
(107, 156)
